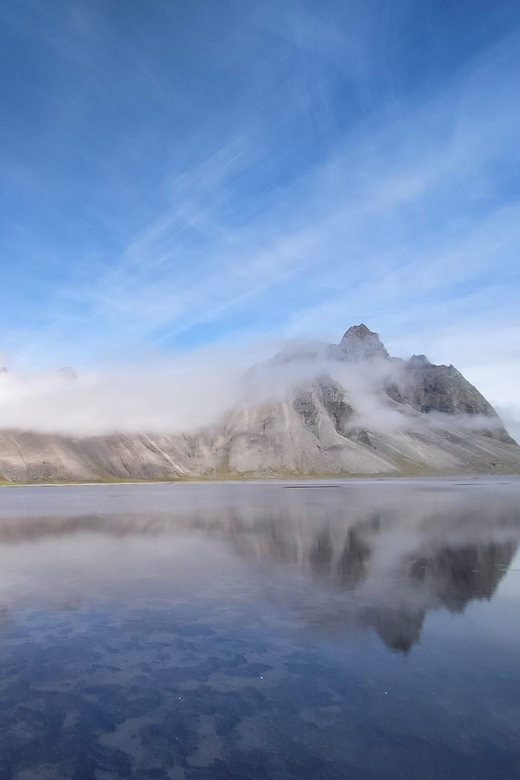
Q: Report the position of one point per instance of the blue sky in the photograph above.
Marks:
(183, 173)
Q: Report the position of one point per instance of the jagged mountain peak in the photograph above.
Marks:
(358, 343)
(361, 343)
(361, 331)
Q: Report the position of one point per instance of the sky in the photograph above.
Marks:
(178, 176)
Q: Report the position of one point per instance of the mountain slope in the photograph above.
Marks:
(348, 408)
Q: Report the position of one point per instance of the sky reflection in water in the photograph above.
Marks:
(365, 630)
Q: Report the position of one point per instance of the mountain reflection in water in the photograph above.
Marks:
(392, 555)
(199, 632)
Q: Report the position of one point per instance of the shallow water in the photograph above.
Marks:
(268, 630)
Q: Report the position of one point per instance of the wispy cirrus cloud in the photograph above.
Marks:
(276, 170)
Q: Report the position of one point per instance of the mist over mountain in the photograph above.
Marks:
(314, 408)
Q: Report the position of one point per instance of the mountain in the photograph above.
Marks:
(346, 409)
(359, 343)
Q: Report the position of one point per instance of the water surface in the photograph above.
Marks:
(264, 631)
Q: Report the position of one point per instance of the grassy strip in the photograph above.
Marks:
(403, 473)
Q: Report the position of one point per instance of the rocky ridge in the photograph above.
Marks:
(346, 409)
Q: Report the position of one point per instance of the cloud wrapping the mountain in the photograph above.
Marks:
(167, 398)
(193, 391)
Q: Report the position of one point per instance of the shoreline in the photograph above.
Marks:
(236, 479)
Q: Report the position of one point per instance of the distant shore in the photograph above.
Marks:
(264, 478)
